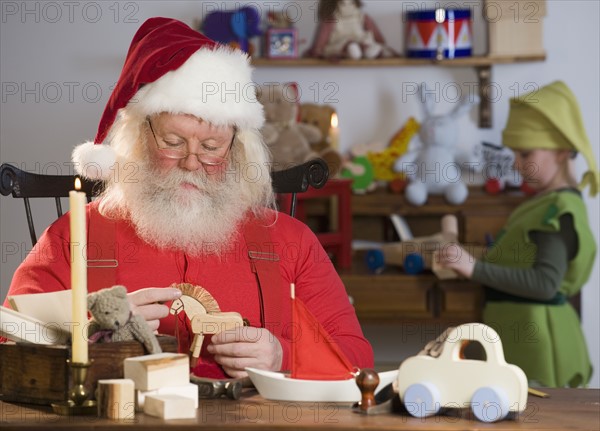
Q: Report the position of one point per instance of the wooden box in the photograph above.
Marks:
(36, 374)
(515, 27)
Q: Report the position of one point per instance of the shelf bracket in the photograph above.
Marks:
(484, 75)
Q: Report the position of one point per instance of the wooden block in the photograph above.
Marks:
(189, 391)
(157, 371)
(170, 406)
(116, 399)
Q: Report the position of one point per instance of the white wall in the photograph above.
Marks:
(59, 61)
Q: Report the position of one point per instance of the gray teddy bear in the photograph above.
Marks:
(112, 320)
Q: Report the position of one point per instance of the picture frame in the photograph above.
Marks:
(281, 43)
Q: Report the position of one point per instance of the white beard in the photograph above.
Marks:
(166, 215)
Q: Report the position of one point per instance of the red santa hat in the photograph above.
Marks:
(172, 68)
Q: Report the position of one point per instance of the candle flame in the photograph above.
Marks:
(334, 120)
(77, 184)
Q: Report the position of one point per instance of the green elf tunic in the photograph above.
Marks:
(544, 255)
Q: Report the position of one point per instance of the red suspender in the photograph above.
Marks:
(101, 251)
(265, 264)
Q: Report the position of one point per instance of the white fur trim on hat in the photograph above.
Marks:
(93, 161)
(213, 84)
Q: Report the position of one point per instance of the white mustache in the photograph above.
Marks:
(174, 180)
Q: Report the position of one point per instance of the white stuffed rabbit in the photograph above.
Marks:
(433, 168)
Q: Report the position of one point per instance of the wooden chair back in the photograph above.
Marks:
(28, 185)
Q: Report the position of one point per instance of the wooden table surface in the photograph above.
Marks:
(566, 409)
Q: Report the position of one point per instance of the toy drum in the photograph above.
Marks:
(439, 33)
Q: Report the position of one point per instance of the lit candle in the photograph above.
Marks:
(77, 202)
(334, 132)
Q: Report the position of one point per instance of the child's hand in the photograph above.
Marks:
(455, 257)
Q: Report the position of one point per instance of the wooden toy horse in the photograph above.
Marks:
(204, 313)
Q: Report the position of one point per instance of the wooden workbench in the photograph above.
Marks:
(566, 409)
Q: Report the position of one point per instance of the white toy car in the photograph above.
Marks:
(491, 387)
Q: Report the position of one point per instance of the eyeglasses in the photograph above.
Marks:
(178, 151)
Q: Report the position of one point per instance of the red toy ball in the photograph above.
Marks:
(493, 186)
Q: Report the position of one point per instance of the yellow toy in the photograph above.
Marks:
(492, 388)
(383, 161)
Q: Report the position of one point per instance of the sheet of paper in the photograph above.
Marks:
(22, 328)
(51, 307)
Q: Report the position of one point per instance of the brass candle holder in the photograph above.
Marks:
(78, 403)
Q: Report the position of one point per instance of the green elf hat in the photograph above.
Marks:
(550, 118)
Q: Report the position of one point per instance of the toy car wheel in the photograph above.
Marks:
(490, 404)
(375, 261)
(422, 400)
(414, 264)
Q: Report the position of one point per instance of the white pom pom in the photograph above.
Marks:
(93, 161)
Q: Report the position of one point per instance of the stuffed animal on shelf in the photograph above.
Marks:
(234, 28)
(434, 167)
(345, 31)
(320, 116)
(112, 320)
(288, 139)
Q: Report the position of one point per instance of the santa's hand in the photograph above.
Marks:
(149, 303)
(458, 259)
(246, 346)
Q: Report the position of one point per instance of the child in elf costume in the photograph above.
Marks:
(546, 251)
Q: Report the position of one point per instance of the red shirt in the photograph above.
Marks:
(228, 278)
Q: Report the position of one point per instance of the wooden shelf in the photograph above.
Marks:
(394, 296)
(382, 203)
(482, 64)
(474, 61)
